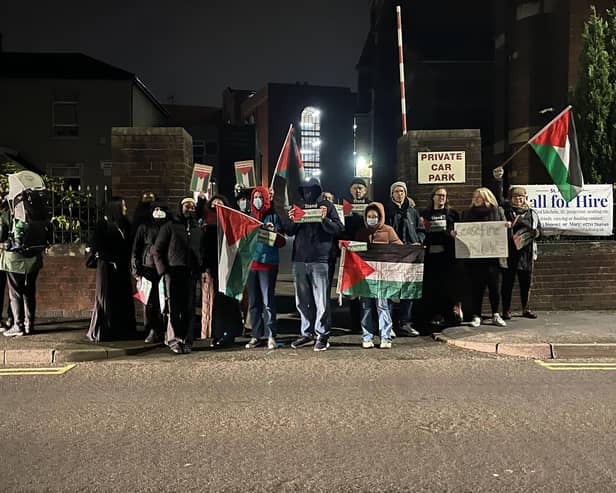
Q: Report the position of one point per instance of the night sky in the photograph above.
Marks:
(192, 50)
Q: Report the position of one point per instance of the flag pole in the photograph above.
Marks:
(502, 165)
(401, 62)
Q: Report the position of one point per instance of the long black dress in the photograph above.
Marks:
(113, 316)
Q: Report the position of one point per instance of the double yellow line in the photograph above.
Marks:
(577, 366)
(5, 372)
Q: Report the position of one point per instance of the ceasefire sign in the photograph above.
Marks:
(441, 167)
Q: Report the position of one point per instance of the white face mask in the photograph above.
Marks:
(258, 202)
(243, 203)
(372, 221)
(159, 214)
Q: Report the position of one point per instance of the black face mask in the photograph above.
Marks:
(310, 196)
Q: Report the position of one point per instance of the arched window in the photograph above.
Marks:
(310, 143)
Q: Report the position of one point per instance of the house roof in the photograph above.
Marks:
(67, 66)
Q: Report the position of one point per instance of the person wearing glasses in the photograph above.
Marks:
(440, 294)
(525, 229)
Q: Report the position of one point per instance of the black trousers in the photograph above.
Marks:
(22, 293)
(484, 273)
(180, 285)
(524, 278)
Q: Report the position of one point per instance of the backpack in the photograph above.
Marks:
(33, 210)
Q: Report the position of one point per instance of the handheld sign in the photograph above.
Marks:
(245, 173)
(484, 239)
(350, 208)
(266, 236)
(307, 215)
(201, 178)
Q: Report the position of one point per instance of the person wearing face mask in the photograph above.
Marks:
(409, 227)
(263, 273)
(311, 249)
(375, 231)
(113, 316)
(242, 200)
(441, 299)
(179, 256)
(143, 266)
(525, 228)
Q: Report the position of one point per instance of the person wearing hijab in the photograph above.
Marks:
(143, 267)
(113, 316)
(179, 252)
(143, 210)
(263, 273)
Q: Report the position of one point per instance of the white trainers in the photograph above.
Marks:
(476, 322)
(271, 343)
(385, 345)
(367, 344)
(498, 321)
(252, 343)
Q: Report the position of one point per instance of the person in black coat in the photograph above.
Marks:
(143, 266)
(179, 256)
(113, 316)
(525, 228)
(406, 221)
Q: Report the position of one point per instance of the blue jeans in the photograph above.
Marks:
(383, 309)
(312, 298)
(262, 302)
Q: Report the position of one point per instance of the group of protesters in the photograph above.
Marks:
(172, 250)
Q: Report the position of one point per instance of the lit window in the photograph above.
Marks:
(310, 143)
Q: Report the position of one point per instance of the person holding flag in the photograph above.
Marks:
(263, 272)
(311, 248)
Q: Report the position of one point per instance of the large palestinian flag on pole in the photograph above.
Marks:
(237, 241)
(382, 271)
(556, 145)
(289, 171)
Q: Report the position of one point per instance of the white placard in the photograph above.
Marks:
(482, 239)
(588, 214)
(441, 167)
(340, 210)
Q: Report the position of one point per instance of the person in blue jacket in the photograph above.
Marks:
(311, 249)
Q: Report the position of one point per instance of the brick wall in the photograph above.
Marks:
(460, 194)
(154, 159)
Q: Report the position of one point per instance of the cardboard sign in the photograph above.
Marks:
(245, 174)
(353, 246)
(200, 181)
(307, 215)
(441, 167)
(266, 236)
(483, 239)
(349, 208)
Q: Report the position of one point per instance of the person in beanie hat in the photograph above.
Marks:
(407, 223)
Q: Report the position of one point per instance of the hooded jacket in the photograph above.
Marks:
(381, 234)
(142, 262)
(406, 221)
(313, 241)
(180, 244)
(265, 254)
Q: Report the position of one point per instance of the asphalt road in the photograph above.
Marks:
(420, 417)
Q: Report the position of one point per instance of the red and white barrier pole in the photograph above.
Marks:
(401, 59)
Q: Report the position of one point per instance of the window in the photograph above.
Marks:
(310, 143)
(64, 119)
(70, 172)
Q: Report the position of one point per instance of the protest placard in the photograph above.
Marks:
(307, 215)
(486, 239)
(245, 173)
(201, 175)
(589, 214)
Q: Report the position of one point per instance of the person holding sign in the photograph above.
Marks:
(484, 271)
(375, 231)
(440, 296)
(264, 271)
(525, 228)
(407, 223)
(313, 242)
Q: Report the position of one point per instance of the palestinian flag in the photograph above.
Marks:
(200, 181)
(382, 271)
(237, 241)
(556, 145)
(289, 171)
(245, 173)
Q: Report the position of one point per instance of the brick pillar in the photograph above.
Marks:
(409, 145)
(154, 159)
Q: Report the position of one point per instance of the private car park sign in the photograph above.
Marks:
(441, 167)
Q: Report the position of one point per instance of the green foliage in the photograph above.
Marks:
(595, 98)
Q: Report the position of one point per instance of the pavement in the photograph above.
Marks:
(554, 335)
